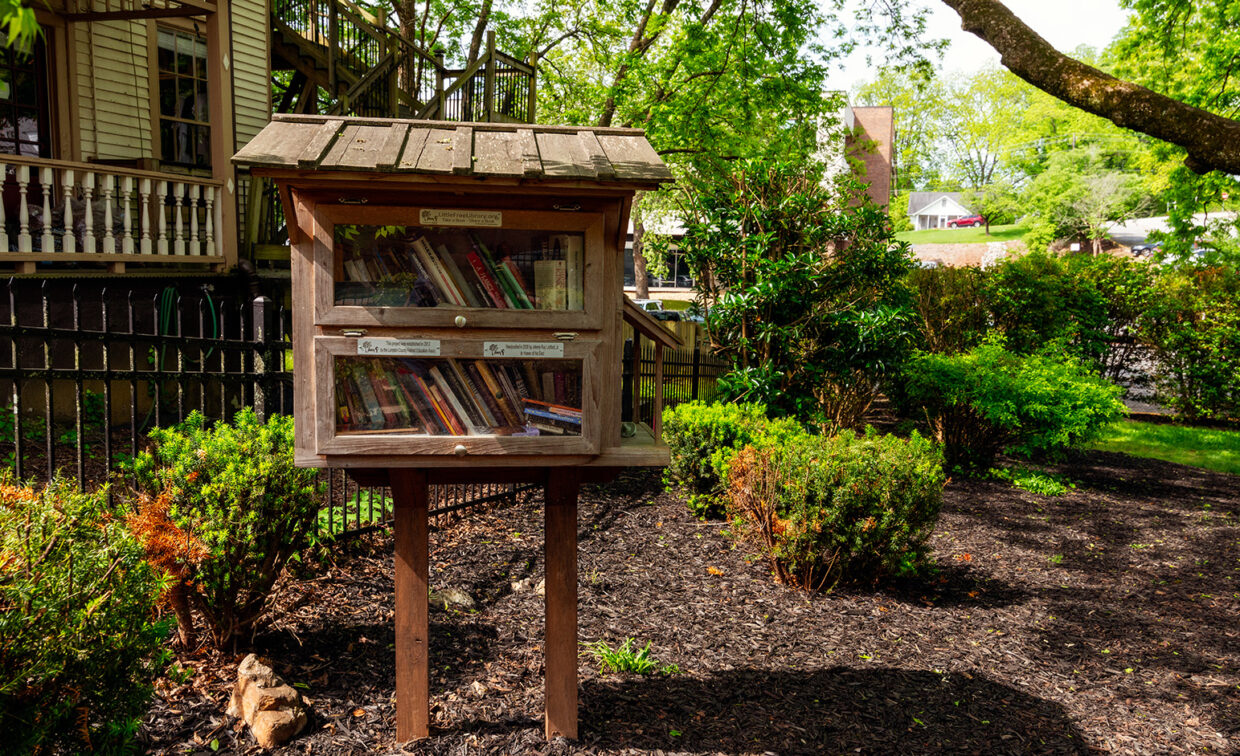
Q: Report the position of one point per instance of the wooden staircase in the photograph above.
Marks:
(338, 58)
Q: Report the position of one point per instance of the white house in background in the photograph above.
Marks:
(934, 209)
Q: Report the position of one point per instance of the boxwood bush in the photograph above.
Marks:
(989, 400)
(233, 490)
(78, 643)
(703, 437)
(828, 508)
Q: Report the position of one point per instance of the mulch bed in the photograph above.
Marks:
(1105, 620)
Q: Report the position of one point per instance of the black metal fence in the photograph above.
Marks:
(88, 370)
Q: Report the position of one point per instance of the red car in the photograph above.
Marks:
(969, 220)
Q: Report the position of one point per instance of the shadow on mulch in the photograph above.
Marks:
(836, 710)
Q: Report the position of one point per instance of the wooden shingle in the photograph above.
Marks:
(514, 151)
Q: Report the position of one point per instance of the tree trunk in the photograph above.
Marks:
(1212, 141)
(639, 259)
(178, 597)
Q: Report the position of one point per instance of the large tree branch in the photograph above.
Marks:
(1212, 141)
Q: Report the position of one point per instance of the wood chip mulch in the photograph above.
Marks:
(1102, 621)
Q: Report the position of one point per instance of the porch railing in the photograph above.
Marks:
(54, 210)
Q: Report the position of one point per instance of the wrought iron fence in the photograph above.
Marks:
(89, 370)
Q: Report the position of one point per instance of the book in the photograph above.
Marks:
(505, 285)
(430, 260)
(557, 408)
(368, 397)
(550, 284)
(510, 411)
(476, 394)
(487, 397)
(458, 277)
(572, 248)
(515, 272)
(467, 421)
(571, 425)
(531, 379)
(494, 292)
(548, 385)
(443, 413)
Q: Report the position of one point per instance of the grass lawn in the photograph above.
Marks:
(976, 235)
(1200, 447)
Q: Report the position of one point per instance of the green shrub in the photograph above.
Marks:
(703, 437)
(989, 400)
(234, 490)
(951, 307)
(78, 643)
(822, 509)
(1033, 481)
(1035, 299)
(1193, 325)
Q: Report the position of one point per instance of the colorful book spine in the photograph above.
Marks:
(430, 261)
(501, 274)
(458, 276)
(488, 281)
(510, 411)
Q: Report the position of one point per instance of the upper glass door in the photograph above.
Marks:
(459, 267)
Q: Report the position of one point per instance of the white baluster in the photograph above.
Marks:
(178, 197)
(193, 220)
(24, 242)
(68, 241)
(144, 209)
(127, 232)
(4, 228)
(46, 177)
(109, 239)
(88, 191)
(209, 198)
(161, 246)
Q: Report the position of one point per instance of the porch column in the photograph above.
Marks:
(223, 143)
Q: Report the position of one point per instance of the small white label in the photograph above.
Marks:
(442, 217)
(398, 347)
(526, 349)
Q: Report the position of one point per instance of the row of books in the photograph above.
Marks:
(450, 397)
(430, 275)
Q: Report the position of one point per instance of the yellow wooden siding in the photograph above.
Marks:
(113, 85)
(251, 85)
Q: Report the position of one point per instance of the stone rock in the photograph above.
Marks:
(273, 709)
(541, 588)
(452, 598)
(521, 586)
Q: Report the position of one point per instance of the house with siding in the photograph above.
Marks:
(118, 128)
(935, 209)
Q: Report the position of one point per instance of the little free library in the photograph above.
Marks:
(457, 317)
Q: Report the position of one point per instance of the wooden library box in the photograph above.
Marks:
(457, 290)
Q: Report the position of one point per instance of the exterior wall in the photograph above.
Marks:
(251, 77)
(113, 91)
(870, 145)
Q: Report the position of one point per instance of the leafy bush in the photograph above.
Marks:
(804, 282)
(989, 400)
(234, 490)
(1193, 325)
(78, 643)
(951, 306)
(822, 509)
(703, 437)
(1035, 299)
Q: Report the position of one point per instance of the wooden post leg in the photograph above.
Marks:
(561, 602)
(409, 494)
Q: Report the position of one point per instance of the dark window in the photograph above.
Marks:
(184, 128)
(25, 124)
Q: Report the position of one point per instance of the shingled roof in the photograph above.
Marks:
(521, 151)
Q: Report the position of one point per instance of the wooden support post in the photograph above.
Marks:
(561, 601)
(409, 498)
(656, 420)
(637, 376)
(488, 82)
